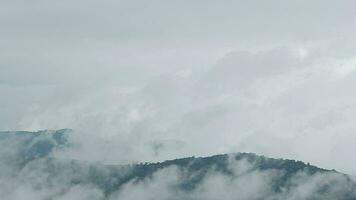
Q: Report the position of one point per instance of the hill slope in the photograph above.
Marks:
(27, 162)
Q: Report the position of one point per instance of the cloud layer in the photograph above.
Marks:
(159, 80)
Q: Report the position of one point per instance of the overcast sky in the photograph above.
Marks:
(154, 80)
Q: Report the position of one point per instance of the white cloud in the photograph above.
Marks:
(194, 78)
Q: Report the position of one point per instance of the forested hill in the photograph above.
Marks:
(228, 176)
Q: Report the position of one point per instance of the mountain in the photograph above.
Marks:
(25, 146)
(28, 161)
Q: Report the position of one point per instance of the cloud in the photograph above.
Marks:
(269, 77)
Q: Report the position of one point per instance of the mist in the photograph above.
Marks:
(151, 81)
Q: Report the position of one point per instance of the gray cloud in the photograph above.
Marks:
(190, 77)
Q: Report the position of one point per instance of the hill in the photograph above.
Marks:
(27, 160)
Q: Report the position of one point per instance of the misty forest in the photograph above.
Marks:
(177, 100)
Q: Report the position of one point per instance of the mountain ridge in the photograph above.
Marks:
(187, 176)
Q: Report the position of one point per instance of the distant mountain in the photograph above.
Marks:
(27, 158)
(26, 146)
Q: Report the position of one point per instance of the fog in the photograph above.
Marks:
(150, 81)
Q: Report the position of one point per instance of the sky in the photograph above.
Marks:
(155, 80)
